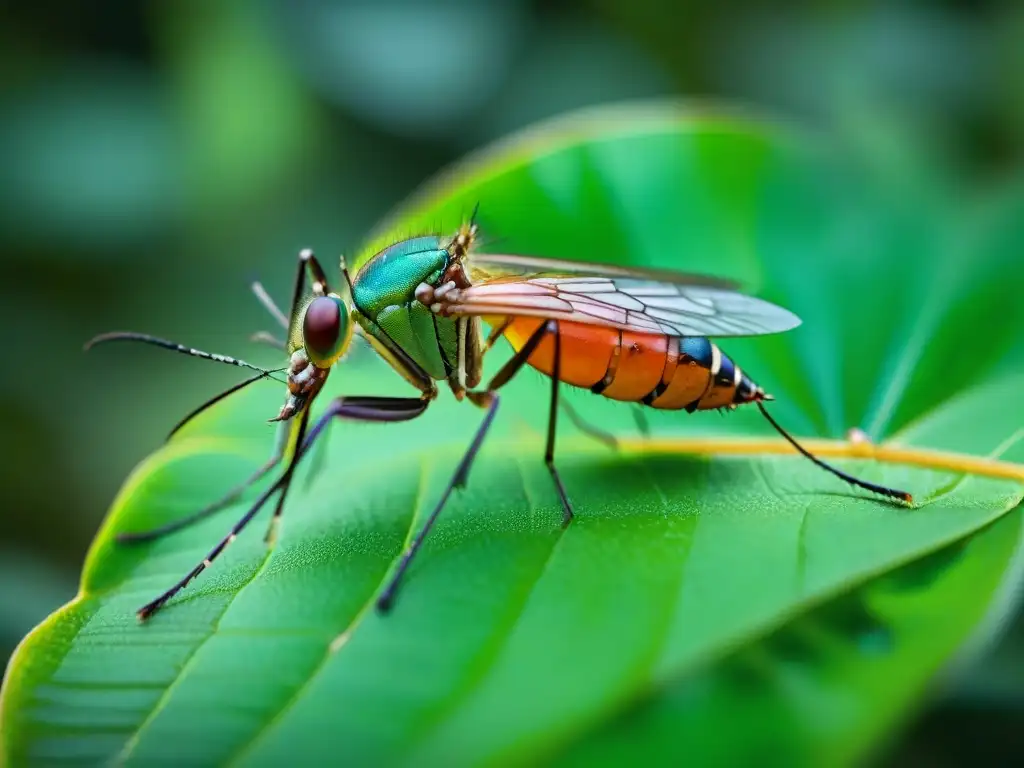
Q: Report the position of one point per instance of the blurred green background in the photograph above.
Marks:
(157, 157)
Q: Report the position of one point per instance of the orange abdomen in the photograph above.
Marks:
(663, 372)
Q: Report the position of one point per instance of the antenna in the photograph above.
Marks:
(217, 398)
(174, 346)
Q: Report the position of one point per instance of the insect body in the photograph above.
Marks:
(388, 298)
(630, 335)
(661, 371)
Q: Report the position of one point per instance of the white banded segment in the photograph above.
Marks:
(650, 306)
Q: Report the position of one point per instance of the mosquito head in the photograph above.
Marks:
(326, 332)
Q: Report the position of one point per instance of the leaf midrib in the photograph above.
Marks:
(884, 453)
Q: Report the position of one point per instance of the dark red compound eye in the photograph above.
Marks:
(321, 327)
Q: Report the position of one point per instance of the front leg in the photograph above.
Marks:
(229, 498)
(485, 399)
(376, 409)
(458, 480)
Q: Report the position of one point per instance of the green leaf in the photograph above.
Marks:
(703, 605)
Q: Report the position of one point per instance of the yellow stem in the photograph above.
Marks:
(921, 457)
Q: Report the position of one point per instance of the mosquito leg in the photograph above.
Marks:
(154, 605)
(316, 461)
(606, 438)
(642, 424)
(549, 450)
(265, 337)
(380, 409)
(229, 498)
(578, 421)
(487, 399)
(300, 434)
(307, 261)
(269, 304)
(458, 480)
(581, 424)
(496, 333)
(883, 490)
(226, 500)
(511, 368)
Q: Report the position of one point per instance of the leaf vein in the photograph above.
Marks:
(339, 641)
(486, 661)
(165, 697)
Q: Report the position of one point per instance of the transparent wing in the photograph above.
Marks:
(485, 266)
(632, 301)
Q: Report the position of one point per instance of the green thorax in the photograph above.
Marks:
(384, 293)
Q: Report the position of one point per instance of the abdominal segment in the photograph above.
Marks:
(665, 372)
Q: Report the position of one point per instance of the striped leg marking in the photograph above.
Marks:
(376, 409)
